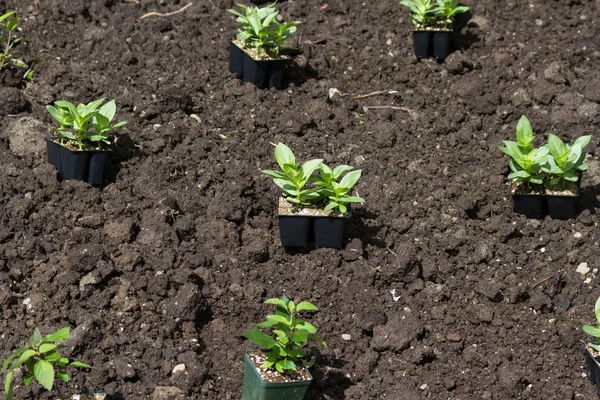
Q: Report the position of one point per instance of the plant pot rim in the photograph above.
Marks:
(276, 384)
(277, 214)
(54, 140)
(282, 59)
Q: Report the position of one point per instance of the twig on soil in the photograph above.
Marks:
(157, 14)
(542, 281)
(16, 115)
(390, 250)
(412, 113)
(318, 41)
(364, 96)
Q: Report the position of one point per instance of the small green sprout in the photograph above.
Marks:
(284, 351)
(42, 361)
(420, 12)
(9, 22)
(446, 9)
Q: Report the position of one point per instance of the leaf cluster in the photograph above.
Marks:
(85, 122)
(594, 330)
(260, 30)
(8, 22)
(293, 179)
(555, 160)
(42, 361)
(427, 14)
(289, 335)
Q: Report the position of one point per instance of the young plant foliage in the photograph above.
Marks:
(420, 12)
(284, 347)
(336, 193)
(594, 330)
(8, 55)
(446, 9)
(85, 123)
(565, 161)
(41, 360)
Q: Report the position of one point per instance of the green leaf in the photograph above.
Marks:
(36, 338)
(12, 357)
(93, 105)
(8, 386)
(285, 366)
(63, 375)
(79, 364)
(109, 110)
(46, 347)
(592, 330)
(276, 302)
(12, 24)
(260, 338)
(350, 179)
(18, 63)
(307, 326)
(279, 318)
(23, 358)
(318, 340)
(597, 310)
(52, 356)
(7, 15)
(583, 141)
(284, 155)
(309, 167)
(58, 336)
(305, 305)
(44, 373)
(27, 380)
(266, 324)
(353, 199)
(524, 134)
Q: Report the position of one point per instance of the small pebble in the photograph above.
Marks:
(543, 249)
(577, 235)
(345, 336)
(178, 368)
(583, 268)
(539, 22)
(583, 375)
(588, 280)
(423, 387)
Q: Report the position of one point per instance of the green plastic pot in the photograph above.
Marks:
(257, 389)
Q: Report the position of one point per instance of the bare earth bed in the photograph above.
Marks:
(169, 261)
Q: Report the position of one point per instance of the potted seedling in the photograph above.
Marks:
(432, 25)
(565, 165)
(294, 209)
(526, 174)
(445, 10)
(280, 369)
(40, 359)
(255, 55)
(592, 349)
(329, 230)
(78, 148)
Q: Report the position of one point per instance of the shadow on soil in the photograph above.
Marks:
(463, 41)
(330, 382)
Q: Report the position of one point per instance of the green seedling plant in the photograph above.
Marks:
(419, 12)
(76, 122)
(334, 192)
(259, 29)
(284, 348)
(525, 168)
(446, 9)
(41, 360)
(9, 22)
(565, 161)
(594, 330)
(292, 178)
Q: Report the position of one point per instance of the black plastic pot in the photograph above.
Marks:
(441, 44)
(562, 207)
(81, 165)
(530, 205)
(255, 388)
(329, 231)
(422, 42)
(263, 74)
(593, 369)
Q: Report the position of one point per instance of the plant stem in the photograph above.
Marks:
(6, 49)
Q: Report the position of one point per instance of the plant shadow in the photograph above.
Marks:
(368, 233)
(463, 41)
(589, 199)
(125, 150)
(298, 75)
(330, 381)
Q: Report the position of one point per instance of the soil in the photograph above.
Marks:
(286, 208)
(169, 262)
(272, 375)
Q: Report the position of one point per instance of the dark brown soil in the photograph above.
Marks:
(169, 262)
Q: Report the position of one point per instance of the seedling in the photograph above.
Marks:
(284, 349)
(292, 178)
(420, 12)
(525, 167)
(41, 360)
(594, 330)
(259, 29)
(336, 193)
(9, 22)
(446, 9)
(564, 161)
(76, 122)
